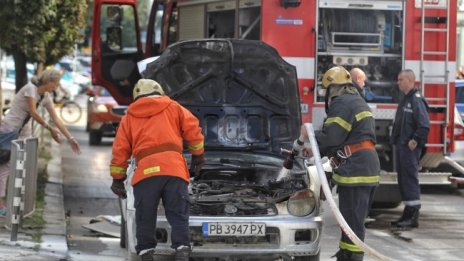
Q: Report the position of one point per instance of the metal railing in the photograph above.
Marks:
(22, 181)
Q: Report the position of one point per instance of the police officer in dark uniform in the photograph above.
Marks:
(409, 135)
(348, 138)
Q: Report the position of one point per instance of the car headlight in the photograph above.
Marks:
(101, 108)
(301, 203)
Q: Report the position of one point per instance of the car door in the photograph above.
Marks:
(116, 47)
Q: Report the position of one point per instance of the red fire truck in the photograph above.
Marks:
(381, 37)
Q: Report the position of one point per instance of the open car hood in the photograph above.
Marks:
(244, 94)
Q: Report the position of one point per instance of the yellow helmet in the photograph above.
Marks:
(336, 75)
(145, 87)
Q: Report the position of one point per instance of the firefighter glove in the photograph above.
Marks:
(196, 164)
(118, 188)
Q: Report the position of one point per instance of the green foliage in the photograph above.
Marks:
(143, 9)
(65, 30)
(42, 30)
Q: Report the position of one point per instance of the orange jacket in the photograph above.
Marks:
(155, 127)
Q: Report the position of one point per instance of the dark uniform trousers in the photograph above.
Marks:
(408, 168)
(354, 204)
(147, 194)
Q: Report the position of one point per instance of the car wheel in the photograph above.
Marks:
(95, 137)
(308, 258)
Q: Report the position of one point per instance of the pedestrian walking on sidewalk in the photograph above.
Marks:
(24, 107)
(153, 131)
(348, 138)
(409, 135)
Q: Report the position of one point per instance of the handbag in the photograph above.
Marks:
(7, 137)
(5, 145)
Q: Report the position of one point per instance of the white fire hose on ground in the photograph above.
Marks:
(333, 206)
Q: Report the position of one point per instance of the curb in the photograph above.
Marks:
(54, 233)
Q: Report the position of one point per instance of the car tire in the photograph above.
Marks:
(95, 137)
(308, 258)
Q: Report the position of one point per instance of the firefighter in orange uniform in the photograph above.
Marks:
(153, 132)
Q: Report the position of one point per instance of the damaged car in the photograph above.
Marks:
(247, 102)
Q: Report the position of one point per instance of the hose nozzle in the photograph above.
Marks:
(288, 163)
(297, 147)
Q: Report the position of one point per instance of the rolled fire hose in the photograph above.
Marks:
(333, 206)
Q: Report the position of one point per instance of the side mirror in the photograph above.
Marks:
(114, 13)
(114, 38)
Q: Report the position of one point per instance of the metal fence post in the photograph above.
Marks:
(22, 183)
(30, 178)
(15, 187)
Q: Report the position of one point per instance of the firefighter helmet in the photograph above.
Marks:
(146, 87)
(336, 75)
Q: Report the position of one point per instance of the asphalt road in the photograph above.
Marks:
(87, 195)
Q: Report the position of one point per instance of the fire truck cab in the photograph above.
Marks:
(380, 37)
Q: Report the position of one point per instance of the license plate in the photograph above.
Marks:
(234, 229)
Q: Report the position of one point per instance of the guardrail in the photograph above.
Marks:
(22, 181)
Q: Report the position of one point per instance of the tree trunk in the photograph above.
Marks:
(20, 68)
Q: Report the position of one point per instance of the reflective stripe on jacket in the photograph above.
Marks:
(156, 122)
(350, 121)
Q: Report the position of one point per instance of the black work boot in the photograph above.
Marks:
(182, 253)
(394, 223)
(148, 256)
(411, 220)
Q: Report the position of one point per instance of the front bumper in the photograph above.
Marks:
(104, 122)
(107, 129)
(286, 236)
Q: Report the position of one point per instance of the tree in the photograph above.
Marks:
(40, 31)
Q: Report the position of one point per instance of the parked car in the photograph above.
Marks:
(76, 77)
(246, 98)
(8, 80)
(103, 115)
(8, 94)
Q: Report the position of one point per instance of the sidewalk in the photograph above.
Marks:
(53, 245)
